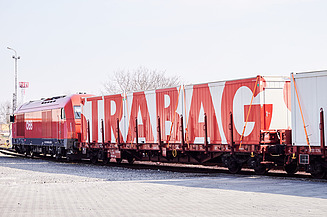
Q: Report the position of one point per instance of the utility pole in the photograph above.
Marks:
(14, 100)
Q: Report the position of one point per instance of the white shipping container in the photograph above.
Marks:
(270, 110)
(312, 92)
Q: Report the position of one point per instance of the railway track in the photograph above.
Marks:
(181, 168)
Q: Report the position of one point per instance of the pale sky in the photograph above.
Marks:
(74, 46)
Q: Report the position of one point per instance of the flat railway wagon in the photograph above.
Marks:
(48, 126)
(309, 103)
(236, 123)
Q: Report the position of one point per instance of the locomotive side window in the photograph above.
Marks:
(63, 115)
(77, 112)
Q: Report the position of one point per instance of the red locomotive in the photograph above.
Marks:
(48, 126)
(237, 123)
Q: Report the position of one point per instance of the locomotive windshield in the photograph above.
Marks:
(77, 112)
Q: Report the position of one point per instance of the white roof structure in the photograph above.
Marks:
(44, 104)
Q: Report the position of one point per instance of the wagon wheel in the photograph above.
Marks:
(257, 166)
(318, 174)
(105, 160)
(130, 160)
(118, 160)
(261, 169)
(291, 168)
(234, 167)
(317, 170)
(94, 159)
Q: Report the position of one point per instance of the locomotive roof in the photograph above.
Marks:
(44, 104)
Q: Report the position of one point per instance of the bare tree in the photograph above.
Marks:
(5, 109)
(139, 79)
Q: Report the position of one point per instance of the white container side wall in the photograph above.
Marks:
(87, 112)
(312, 92)
(150, 97)
(124, 123)
(275, 93)
(216, 90)
(100, 119)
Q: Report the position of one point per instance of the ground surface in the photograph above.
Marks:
(35, 187)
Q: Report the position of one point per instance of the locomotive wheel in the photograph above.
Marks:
(291, 168)
(58, 154)
(44, 152)
(52, 153)
(28, 152)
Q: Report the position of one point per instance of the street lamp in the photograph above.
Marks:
(14, 100)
